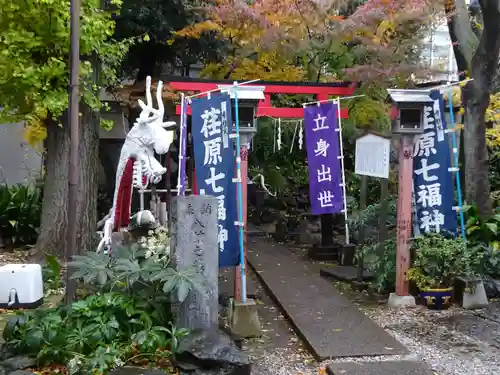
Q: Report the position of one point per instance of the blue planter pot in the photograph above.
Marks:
(437, 299)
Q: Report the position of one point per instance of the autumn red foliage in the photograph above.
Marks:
(385, 33)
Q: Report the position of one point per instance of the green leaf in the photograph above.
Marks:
(493, 227)
(164, 274)
(466, 208)
(169, 285)
(107, 125)
(53, 263)
(102, 277)
(182, 290)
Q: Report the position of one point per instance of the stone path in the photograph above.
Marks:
(255, 231)
(278, 351)
(378, 368)
(330, 325)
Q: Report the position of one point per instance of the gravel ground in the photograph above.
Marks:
(443, 339)
(452, 342)
(431, 337)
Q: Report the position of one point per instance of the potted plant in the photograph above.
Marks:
(437, 261)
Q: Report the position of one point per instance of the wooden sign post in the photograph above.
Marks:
(372, 160)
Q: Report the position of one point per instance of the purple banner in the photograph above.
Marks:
(181, 179)
(323, 156)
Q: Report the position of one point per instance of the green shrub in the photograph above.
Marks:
(482, 231)
(129, 317)
(381, 261)
(20, 213)
(437, 260)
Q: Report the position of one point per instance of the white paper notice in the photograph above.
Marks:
(372, 156)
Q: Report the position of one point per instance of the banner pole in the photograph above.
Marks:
(182, 150)
(219, 89)
(456, 164)
(241, 222)
(339, 123)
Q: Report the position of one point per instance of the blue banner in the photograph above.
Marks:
(214, 161)
(432, 180)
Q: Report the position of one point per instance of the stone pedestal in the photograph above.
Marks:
(244, 318)
(281, 231)
(470, 293)
(396, 301)
(193, 227)
(347, 254)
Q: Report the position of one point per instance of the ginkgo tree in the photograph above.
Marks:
(34, 57)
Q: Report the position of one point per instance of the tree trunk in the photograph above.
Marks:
(52, 238)
(477, 184)
(88, 181)
(479, 56)
(484, 66)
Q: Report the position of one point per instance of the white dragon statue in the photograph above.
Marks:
(138, 166)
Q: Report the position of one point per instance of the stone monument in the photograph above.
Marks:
(193, 230)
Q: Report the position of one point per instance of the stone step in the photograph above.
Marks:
(324, 257)
(345, 273)
(379, 368)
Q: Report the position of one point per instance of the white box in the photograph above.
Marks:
(21, 286)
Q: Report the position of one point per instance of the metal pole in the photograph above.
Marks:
(240, 200)
(333, 100)
(344, 191)
(73, 111)
(181, 173)
(456, 165)
(236, 84)
(244, 191)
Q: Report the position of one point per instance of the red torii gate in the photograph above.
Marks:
(321, 91)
